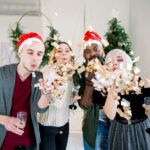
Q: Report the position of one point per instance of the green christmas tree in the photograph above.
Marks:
(117, 37)
(14, 35)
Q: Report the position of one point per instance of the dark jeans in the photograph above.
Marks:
(54, 138)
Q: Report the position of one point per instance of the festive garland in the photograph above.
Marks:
(49, 43)
(14, 36)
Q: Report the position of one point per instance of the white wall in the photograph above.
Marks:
(140, 31)
(29, 24)
(70, 19)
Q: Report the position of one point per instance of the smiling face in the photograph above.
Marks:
(63, 53)
(31, 56)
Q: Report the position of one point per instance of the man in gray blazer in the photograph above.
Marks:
(19, 94)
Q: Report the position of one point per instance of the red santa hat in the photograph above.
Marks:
(28, 39)
(93, 37)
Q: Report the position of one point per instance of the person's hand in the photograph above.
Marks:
(45, 89)
(113, 94)
(13, 125)
(90, 76)
(147, 109)
(76, 98)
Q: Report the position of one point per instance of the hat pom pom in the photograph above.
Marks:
(105, 42)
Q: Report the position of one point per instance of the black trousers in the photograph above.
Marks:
(54, 138)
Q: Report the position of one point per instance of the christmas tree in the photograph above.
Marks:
(117, 37)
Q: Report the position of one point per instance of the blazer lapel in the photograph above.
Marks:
(11, 84)
(33, 88)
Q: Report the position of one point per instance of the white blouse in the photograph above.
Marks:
(58, 112)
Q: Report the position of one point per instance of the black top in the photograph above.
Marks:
(136, 102)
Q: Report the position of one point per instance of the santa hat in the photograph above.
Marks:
(28, 39)
(93, 37)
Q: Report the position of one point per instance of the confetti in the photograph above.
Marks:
(125, 80)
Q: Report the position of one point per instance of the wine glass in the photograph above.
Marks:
(147, 102)
(75, 91)
(21, 118)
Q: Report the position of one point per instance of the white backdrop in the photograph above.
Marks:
(140, 32)
(69, 19)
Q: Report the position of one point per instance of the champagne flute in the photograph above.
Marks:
(21, 118)
(75, 91)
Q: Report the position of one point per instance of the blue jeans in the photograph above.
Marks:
(86, 145)
(101, 137)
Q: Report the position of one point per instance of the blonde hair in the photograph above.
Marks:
(120, 52)
(52, 56)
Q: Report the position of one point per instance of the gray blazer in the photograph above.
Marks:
(7, 83)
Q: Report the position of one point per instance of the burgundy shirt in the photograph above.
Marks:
(21, 102)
